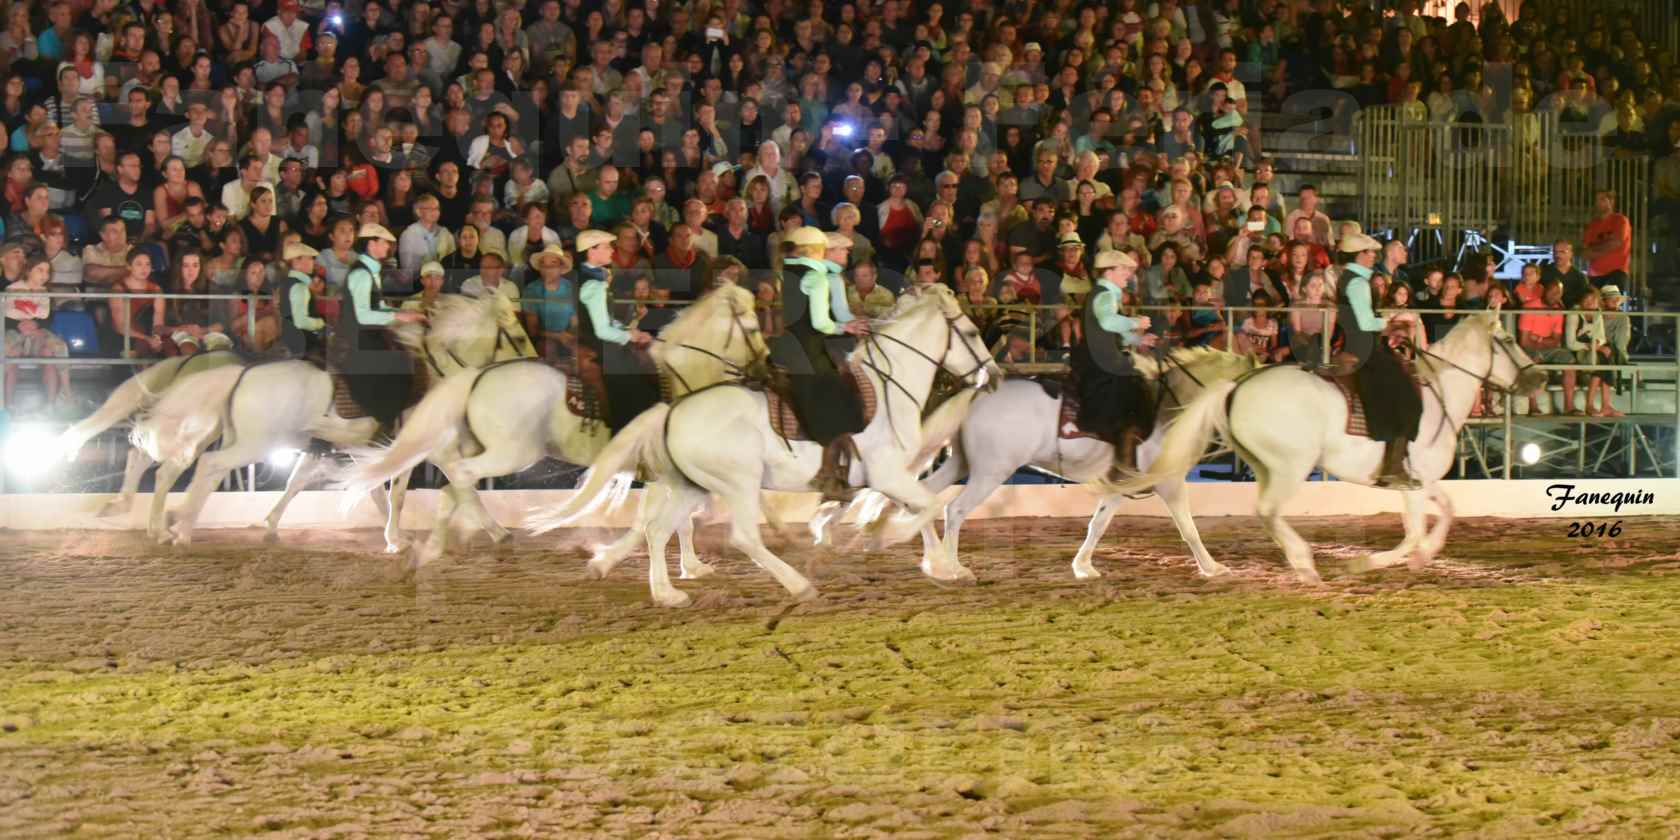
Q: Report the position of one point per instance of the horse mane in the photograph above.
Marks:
(1470, 330)
(453, 319)
(694, 323)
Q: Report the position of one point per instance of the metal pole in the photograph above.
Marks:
(1676, 397)
(4, 415)
(1510, 443)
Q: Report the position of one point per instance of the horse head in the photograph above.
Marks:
(713, 339)
(1481, 347)
(916, 320)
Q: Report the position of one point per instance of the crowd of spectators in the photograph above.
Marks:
(178, 145)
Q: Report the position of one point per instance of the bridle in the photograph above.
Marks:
(735, 369)
(1504, 344)
(874, 356)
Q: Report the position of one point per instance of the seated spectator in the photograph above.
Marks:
(138, 321)
(188, 318)
(549, 303)
(255, 318)
(864, 296)
(1203, 324)
(28, 335)
(1541, 336)
(491, 279)
(1258, 333)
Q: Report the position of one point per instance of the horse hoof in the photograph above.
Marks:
(673, 598)
(1213, 570)
(504, 539)
(1308, 576)
(697, 571)
(397, 547)
(112, 509)
(1360, 565)
(806, 595)
(1418, 561)
(595, 571)
(271, 537)
(1086, 572)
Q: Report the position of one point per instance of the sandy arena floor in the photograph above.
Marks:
(1525, 686)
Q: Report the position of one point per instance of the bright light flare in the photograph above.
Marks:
(1530, 453)
(281, 458)
(31, 450)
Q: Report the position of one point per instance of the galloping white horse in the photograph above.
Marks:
(1285, 421)
(481, 423)
(139, 391)
(254, 409)
(1019, 425)
(686, 449)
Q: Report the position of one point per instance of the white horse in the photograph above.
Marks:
(482, 423)
(138, 392)
(1284, 421)
(1020, 425)
(201, 409)
(720, 441)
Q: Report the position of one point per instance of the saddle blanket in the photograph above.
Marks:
(1356, 425)
(785, 422)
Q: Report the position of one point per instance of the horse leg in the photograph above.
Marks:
(670, 508)
(1100, 519)
(303, 472)
(744, 514)
(392, 507)
(1177, 498)
(212, 468)
(438, 541)
(1437, 536)
(1276, 487)
(132, 471)
(692, 568)
(1413, 521)
(945, 566)
(157, 524)
(824, 516)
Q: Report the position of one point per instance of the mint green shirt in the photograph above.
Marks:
(363, 286)
(1105, 305)
(1358, 294)
(818, 285)
(300, 305)
(593, 295)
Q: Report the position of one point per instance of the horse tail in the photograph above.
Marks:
(433, 424)
(190, 412)
(609, 479)
(1186, 441)
(131, 396)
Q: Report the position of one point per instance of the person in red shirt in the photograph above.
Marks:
(1318, 258)
(1609, 241)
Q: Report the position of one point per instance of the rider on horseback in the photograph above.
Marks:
(1392, 404)
(1112, 399)
(818, 321)
(610, 357)
(300, 331)
(380, 379)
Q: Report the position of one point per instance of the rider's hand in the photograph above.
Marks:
(1150, 340)
(410, 316)
(1143, 322)
(857, 327)
(640, 338)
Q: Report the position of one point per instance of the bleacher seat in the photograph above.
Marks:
(78, 331)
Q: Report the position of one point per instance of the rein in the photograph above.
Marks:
(1485, 379)
(871, 348)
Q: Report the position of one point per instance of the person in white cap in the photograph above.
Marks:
(814, 312)
(1392, 406)
(379, 378)
(609, 355)
(300, 330)
(1113, 401)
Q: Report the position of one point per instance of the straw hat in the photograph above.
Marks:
(373, 231)
(808, 236)
(555, 252)
(297, 250)
(591, 238)
(1357, 242)
(838, 240)
(433, 267)
(1610, 290)
(1070, 240)
(1110, 259)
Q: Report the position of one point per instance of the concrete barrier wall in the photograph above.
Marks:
(319, 509)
